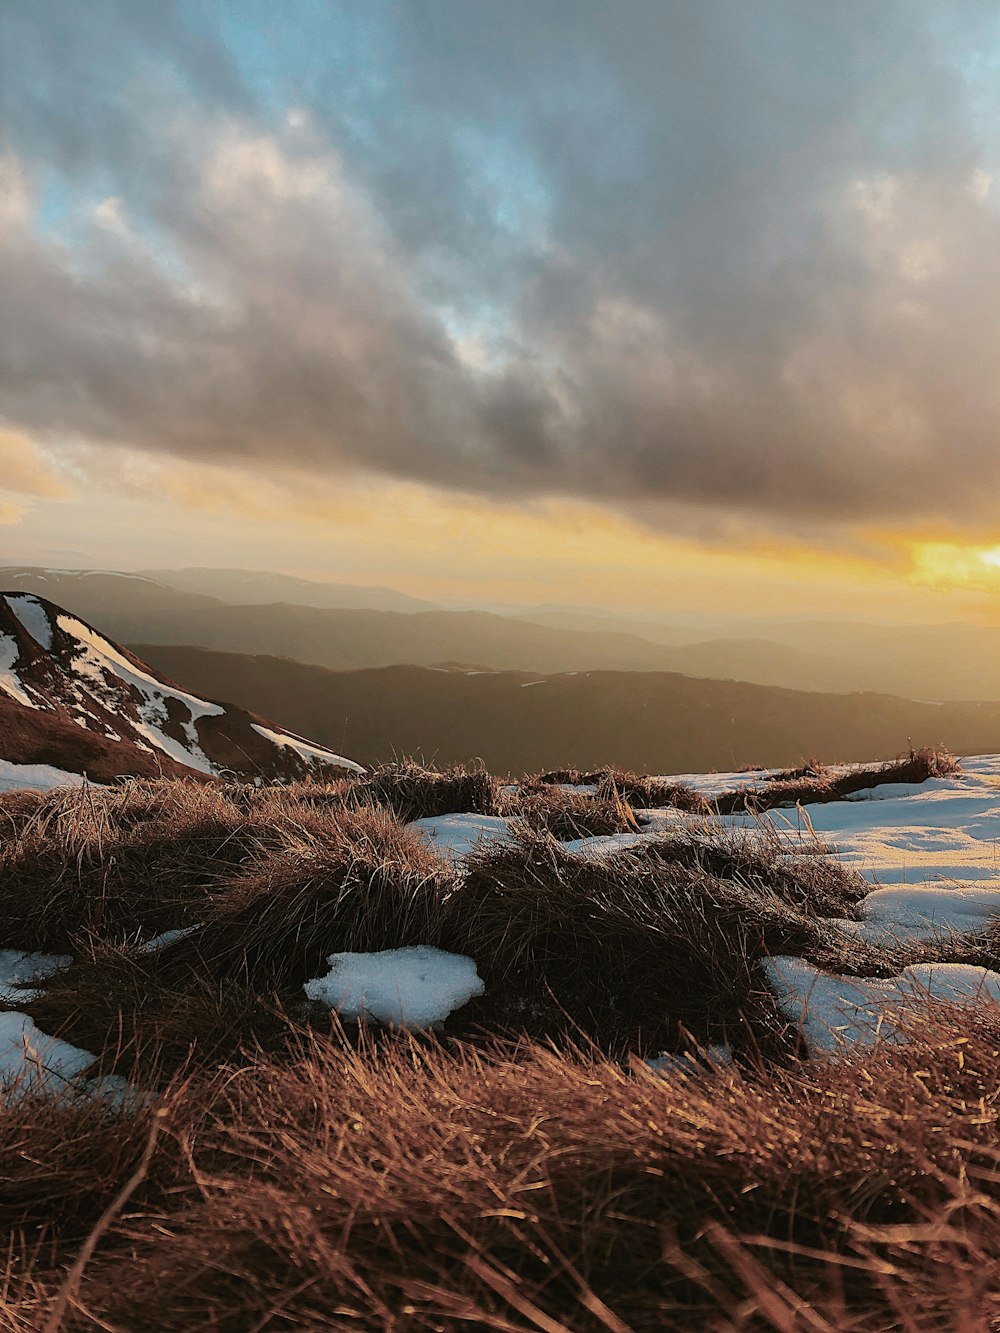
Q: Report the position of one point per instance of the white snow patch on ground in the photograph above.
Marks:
(931, 850)
(31, 1059)
(37, 777)
(834, 1012)
(18, 969)
(606, 844)
(33, 616)
(412, 988)
(311, 754)
(161, 941)
(454, 836)
(97, 658)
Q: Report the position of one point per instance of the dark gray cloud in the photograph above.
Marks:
(736, 257)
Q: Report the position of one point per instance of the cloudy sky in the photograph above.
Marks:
(649, 303)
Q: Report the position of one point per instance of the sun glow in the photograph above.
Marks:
(944, 564)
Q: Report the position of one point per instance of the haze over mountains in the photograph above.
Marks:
(924, 661)
(520, 722)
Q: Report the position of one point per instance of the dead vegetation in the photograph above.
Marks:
(520, 1169)
(815, 783)
(417, 1187)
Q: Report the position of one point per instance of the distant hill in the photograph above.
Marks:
(249, 587)
(932, 662)
(75, 700)
(519, 721)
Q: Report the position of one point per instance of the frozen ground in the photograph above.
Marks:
(930, 851)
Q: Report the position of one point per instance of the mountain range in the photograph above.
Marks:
(938, 662)
(521, 722)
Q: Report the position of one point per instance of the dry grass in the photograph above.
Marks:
(304, 1179)
(361, 882)
(418, 1188)
(127, 861)
(415, 792)
(814, 783)
(568, 814)
(626, 951)
(646, 793)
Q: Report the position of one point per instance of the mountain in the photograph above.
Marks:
(520, 722)
(921, 661)
(75, 700)
(97, 594)
(253, 587)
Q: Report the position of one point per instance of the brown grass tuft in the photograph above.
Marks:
(359, 882)
(415, 792)
(815, 783)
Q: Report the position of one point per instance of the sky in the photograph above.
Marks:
(659, 305)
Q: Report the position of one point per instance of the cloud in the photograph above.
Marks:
(24, 472)
(716, 264)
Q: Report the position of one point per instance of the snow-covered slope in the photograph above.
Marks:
(75, 700)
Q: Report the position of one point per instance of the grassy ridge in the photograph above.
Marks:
(518, 1169)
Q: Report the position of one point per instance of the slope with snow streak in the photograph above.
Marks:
(72, 699)
(308, 751)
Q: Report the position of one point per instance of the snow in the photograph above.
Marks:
(310, 753)
(161, 941)
(930, 850)
(455, 836)
(31, 1059)
(9, 653)
(606, 844)
(33, 616)
(18, 968)
(37, 777)
(834, 1012)
(97, 658)
(415, 987)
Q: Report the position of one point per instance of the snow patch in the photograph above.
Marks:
(32, 1060)
(834, 1012)
(33, 616)
(310, 753)
(36, 777)
(415, 987)
(9, 653)
(455, 836)
(18, 968)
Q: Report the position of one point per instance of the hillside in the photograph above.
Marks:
(73, 699)
(424, 1050)
(521, 722)
(247, 587)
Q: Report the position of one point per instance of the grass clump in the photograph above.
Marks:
(758, 859)
(358, 882)
(631, 953)
(120, 862)
(568, 814)
(648, 793)
(415, 792)
(814, 783)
